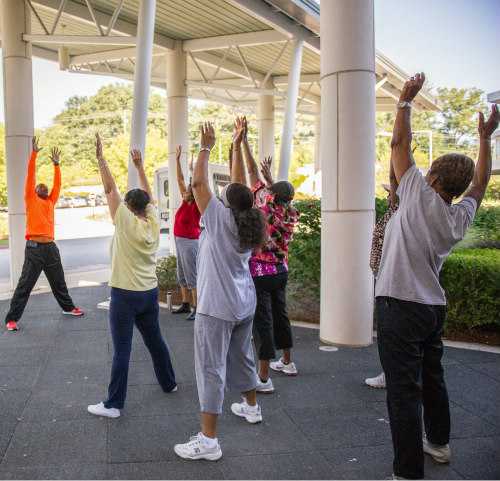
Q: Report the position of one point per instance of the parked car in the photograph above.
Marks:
(100, 199)
(63, 203)
(79, 202)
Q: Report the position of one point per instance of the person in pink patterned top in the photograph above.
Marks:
(269, 265)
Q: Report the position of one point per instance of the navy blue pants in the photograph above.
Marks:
(140, 308)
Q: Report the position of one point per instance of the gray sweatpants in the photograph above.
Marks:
(187, 251)
(223, 356)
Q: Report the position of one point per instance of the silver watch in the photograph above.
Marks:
(404, 105)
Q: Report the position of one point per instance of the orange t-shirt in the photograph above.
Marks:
(40, 212)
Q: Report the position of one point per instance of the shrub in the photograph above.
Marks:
(166, 271)
(471, 279)
(381, 205)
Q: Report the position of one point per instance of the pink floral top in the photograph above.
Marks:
(281, 220)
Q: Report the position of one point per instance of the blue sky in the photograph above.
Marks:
(456, 42)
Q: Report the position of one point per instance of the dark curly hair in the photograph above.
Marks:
(453, 173)
(283, 191)
(249, 220)
(137, 200)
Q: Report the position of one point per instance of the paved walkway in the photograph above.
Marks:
(322, 424)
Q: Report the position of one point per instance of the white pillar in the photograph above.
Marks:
(348, 158)
(317, 138)
(18, 102)
(290, 110)
(142, 80)
(265, 123)
(177, 129)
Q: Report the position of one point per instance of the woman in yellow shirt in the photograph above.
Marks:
(134, 286)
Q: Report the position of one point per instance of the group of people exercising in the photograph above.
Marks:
(232, 258)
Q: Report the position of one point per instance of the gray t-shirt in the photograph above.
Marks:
(418, 238)
(225, 286)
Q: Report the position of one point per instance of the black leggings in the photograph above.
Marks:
(271, 326)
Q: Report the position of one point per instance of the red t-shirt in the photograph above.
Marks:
(187, 221)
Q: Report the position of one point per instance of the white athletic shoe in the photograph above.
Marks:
(376, 382)
(252, 414)
(288, 369)
(265, 387)
(196, 448)
(440, 454)
(101, 410)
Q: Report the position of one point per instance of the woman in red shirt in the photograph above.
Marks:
(186, 233)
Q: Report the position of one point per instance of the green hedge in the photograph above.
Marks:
(471, 279)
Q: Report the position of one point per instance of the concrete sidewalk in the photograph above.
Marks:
(322, 424)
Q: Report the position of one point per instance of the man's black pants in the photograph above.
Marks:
(271, 326)
(37, 258)
(410, 349)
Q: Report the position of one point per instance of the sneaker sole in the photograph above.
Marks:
(251, 421)
(265, 391)
(291, 374)
(71, 314)
(374, 387)
(206, 457)
(12, 330)
(102, 415)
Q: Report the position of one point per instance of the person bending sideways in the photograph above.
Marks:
(41, 253)
(226, 302)
(134, 286)
(410, 302)
(186, 233)
(269, 265)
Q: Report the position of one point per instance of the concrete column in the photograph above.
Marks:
(348, 158)
(142, 80)
(177, 128)
(18, 102)
(290, 110)
(317, 138)
(265, 122)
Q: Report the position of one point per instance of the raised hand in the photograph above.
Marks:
(136, 158)
(207, 136)
(265, 169)
(34, 144)
(98, 147)
(245, 129)
(486, 128)
(412, 87)
(178, 152)
(55, 155)
(239, 130)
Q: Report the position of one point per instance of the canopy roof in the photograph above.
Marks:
(234, 46)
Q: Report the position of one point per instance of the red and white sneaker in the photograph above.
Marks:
(77, 312)
(12, 326)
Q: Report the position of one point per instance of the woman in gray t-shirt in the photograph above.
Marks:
(226, 302)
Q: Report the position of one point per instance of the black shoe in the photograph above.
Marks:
(191, 316)
(182, 309)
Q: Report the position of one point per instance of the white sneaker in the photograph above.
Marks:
(264, 387)
(101, 410)
(252, 414)
(440, 454)
(288, 369)
(196, 448)
(376, 382)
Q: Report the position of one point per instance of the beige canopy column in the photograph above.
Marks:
(347, 157)
(18, 102)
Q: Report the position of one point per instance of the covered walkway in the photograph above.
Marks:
(323, 424)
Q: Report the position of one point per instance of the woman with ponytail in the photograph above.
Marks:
(226, 301)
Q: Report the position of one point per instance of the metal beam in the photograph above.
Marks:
(380, 82)
(120, 74)
(109, 55)
(226, 66)
(304, 78)
(282, 23)
(80, 12)
(80, 40)
(239, 39)
(229, 86)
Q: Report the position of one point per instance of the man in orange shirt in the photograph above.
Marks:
(41, 252)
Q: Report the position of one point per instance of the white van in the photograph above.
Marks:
(218, 177)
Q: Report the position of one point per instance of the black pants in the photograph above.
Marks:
(410, 349)
(271, 326)
(37, 258)
(140, 308)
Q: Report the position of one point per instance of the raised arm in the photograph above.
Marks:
(139, 165)
(401, 155)
(201, 188)
(482, 172)
(55, 155)
(237, 167)
(393, 183)
(180, 176)
(252, 168)
(108, 181)
(266, 171)
(29, 186)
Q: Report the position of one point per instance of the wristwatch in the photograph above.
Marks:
(404, 105)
